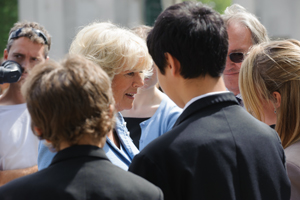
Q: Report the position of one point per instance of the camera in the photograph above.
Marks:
(10, 72)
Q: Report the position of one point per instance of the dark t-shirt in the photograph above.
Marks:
(273, 126)
(133, 126)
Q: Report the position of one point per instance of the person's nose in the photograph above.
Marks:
(25, 64)
(139, 80)
(228, 61)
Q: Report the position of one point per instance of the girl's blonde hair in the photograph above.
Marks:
(270, 67)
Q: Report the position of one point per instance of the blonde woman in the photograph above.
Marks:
(124, 57)
(269, 83)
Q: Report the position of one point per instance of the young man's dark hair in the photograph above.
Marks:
(195, 35)
(215, 150)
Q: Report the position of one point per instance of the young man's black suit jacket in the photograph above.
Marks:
(216, 150)
(80, 172)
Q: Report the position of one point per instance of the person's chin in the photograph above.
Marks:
(23, 77)
(126, 108)
(144, 87)
(22, 80)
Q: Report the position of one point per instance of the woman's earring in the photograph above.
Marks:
(275, 111)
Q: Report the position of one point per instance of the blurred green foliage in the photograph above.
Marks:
(153, 8)
(8, 16)
(218, 5)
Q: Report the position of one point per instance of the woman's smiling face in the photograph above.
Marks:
(124, 87)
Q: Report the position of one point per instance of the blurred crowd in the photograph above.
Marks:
(199, 106)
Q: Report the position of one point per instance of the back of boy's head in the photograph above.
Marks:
(195, 35)
(70, 99)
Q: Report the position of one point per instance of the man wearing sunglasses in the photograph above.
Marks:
(244, 30)
(28, 44)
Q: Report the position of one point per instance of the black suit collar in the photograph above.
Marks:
(205, 102)
(79, 151)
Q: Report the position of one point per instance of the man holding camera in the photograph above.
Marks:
(28, 44)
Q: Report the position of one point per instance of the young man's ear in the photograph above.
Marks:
(173, 64)
(277, 97)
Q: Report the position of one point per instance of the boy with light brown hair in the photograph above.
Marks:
(72, 107)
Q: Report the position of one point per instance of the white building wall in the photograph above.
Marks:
(280, 17)
(63, 18)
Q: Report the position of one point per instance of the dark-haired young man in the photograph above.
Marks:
(28, 44)
(216, 150)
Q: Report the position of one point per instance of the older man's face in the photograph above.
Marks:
(239, 42)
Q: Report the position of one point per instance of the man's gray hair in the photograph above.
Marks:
(238, 14)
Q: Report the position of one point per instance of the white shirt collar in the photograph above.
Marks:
(202, 96)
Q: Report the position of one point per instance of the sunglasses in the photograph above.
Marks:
(237, 57)
(17, 33)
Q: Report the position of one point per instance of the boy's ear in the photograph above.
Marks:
(173, 64)
(38, 131)
(111, 110)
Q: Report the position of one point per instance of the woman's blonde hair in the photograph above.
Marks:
(113, 48)
(270, 67)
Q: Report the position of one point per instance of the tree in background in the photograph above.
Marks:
(218, 5)
(8, 16)
(154, 7)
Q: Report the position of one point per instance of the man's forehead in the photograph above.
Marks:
(240, 38)
(24, 45)
(238, 29)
